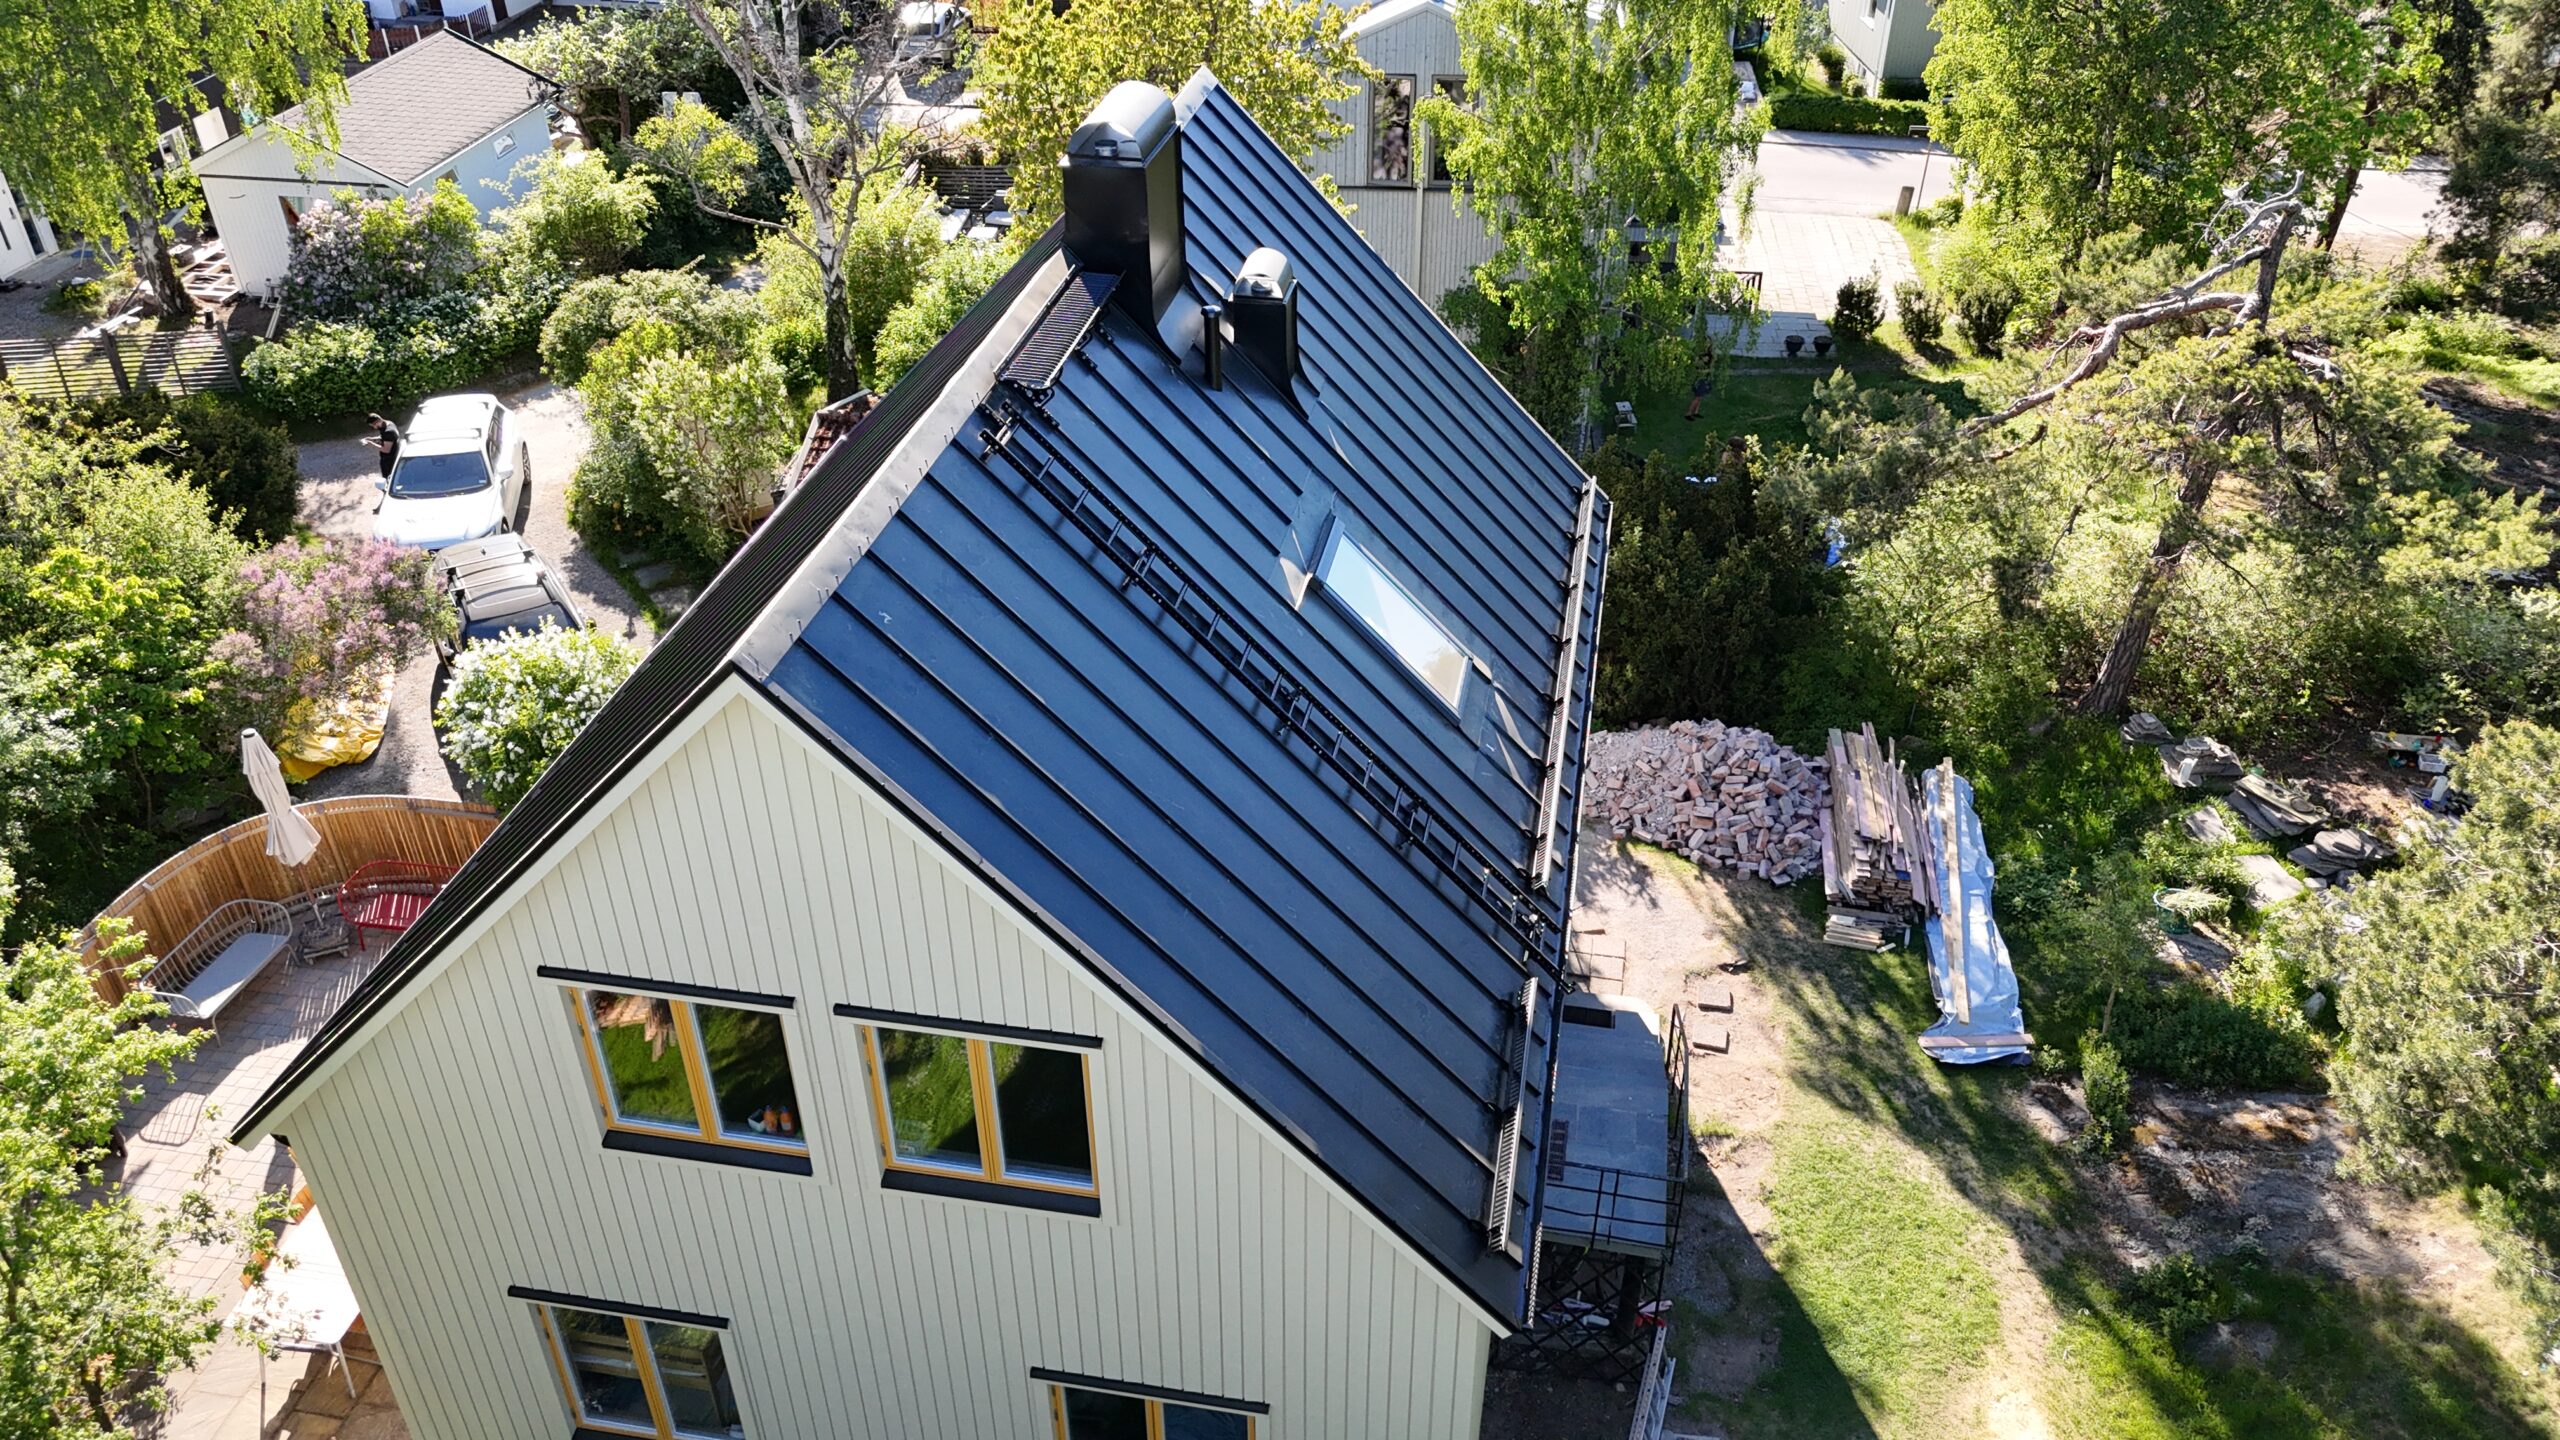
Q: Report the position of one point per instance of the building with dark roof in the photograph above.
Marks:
(445, 108)
(1068, 935)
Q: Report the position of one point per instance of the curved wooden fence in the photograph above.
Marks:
(232, 863)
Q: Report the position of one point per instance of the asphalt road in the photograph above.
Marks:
(338, 498)
(1806, 173)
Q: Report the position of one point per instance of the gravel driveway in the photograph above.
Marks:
(338, 499)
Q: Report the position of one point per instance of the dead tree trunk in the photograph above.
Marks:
(2114, 685)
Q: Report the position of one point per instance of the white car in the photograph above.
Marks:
(930, 30)
(462, 473)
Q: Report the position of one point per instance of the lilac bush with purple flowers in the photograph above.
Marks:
(354, 259)
(317, 617)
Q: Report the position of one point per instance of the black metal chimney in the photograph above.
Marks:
(1262, 315)
(1123, 192)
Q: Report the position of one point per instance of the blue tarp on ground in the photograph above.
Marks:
(1991, 984)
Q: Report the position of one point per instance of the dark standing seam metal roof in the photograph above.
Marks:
(986, 659)
(984, 665)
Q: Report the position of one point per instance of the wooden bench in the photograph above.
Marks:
(209, 969)
(389, 895)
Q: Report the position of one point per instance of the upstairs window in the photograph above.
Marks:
(1355, 579)
(1391, 129)
(623, 1375)
(989, 1110)
(715, 1075)
(1088, 1414)
(1452, 88)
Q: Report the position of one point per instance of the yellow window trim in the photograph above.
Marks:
(982, 1097)
(1155, 1412)
(697, 1077)
(651, 1386)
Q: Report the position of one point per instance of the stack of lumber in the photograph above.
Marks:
(1725, 796)
(1863, 929)
(1873, 858)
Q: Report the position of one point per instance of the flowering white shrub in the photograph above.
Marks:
(514, 704)
(354, 258)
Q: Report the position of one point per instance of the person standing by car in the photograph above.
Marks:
(385, 442)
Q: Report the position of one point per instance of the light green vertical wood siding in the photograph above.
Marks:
(456, 1152)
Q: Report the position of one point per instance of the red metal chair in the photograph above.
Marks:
(389, 895)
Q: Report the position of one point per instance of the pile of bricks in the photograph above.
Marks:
(1722, 795)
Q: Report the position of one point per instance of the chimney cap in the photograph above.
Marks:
(1124, 127)
(1266, 274)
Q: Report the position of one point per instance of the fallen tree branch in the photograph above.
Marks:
(2182, 302)
(2109, 338)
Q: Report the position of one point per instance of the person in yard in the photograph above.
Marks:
(385, 441)
(1706, 378)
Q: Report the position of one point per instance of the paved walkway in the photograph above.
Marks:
(1803, 260)
(338, 498)
(180, 1120)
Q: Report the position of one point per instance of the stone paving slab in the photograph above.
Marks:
(1803, 260)
(183, 1118)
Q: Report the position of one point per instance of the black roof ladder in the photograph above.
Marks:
(1144, 566)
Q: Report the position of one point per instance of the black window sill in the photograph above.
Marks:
(961, 1187)
(676, 1147)
(585, 1432)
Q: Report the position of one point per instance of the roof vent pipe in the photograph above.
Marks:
(1122, 182)
(1213, 346)
(1264, 310)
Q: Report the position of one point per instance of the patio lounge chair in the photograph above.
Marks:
(209, 969)
(389, 895)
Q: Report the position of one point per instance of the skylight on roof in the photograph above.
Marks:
(1352, 576)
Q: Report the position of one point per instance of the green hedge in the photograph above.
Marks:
(1846, 114)
(445, 343)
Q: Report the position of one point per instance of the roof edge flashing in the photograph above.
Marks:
(772, 634)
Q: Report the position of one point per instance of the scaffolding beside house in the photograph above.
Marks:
(1615, 1184)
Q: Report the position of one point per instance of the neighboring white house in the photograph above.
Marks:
(25, 236)
(1387, 167)
(445, 108)
(1885, 39)
(1067, 938)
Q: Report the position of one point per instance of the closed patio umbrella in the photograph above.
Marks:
(290, 838)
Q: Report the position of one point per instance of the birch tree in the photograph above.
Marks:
(2081, 117)
(818, 76)
(1598, 143)
(80, 134)
(1286, 61)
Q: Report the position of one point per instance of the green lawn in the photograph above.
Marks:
(1768, 397)
(1888, 1275)
(1901, 1309)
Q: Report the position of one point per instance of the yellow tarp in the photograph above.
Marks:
(342, 732)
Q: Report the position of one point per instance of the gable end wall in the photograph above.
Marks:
(455, 1152)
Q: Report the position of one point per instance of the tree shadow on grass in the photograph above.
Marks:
(2304, 1354)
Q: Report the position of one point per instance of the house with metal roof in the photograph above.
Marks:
(446, 108)
(1069, 934)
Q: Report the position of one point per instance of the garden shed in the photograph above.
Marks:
(445, 108)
